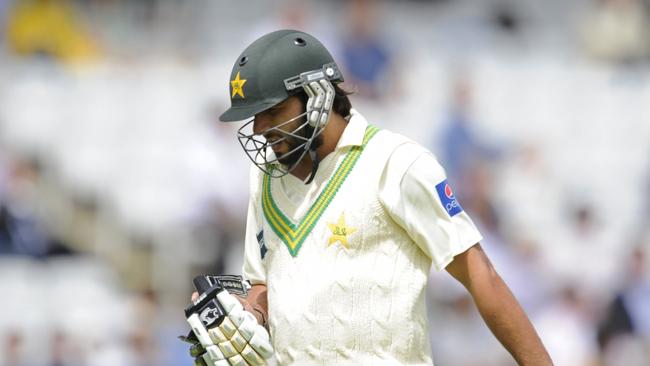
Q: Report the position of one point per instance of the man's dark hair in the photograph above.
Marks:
(341, 104)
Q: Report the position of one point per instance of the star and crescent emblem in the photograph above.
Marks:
(237, 85)
(340, 232)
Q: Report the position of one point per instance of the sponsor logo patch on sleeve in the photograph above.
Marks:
(448, 199)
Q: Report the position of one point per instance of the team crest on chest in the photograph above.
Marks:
(340, 232)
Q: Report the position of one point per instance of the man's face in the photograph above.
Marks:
(276, 116)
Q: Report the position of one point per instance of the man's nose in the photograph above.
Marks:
(261, 124)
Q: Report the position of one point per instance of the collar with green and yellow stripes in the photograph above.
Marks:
(293, 235)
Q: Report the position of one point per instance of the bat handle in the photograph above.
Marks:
(201, 284)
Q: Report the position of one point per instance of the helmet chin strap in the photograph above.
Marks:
(314, 164)
(311, 148)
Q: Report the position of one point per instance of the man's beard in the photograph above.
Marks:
(291, 158)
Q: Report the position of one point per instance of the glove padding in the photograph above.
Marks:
(237, 340)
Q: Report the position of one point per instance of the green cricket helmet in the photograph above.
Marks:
(273, 68)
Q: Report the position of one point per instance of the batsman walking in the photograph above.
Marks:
(344, 223)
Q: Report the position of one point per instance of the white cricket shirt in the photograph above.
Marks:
(346, 258)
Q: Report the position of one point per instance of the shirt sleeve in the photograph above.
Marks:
(253, 268)
(415, 193)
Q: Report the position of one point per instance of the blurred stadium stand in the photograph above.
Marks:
(117, 184)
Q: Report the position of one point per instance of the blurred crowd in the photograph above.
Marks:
(117, 184)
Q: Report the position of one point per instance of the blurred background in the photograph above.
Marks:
(118, 184)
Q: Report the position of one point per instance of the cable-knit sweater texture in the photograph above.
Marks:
(354, 291)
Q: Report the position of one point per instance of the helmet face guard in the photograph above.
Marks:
(320, 92)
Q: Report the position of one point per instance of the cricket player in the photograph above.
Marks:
(344, 223)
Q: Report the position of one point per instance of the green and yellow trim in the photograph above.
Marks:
(294, 235)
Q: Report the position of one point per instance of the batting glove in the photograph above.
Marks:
(237, 341)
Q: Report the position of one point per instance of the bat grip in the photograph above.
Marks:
(201, 284)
